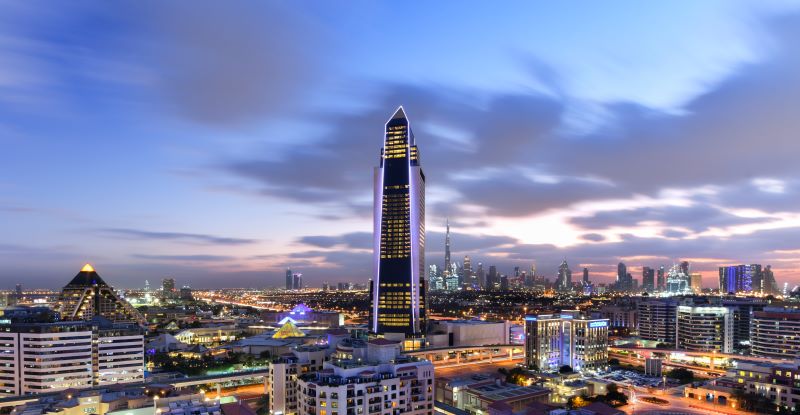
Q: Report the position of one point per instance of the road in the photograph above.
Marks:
(678, 404)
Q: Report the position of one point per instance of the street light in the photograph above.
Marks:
(155, 405)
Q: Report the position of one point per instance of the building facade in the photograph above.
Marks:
(552, 341)
(774, 333)
(705, 329)
(740, 278)
(657, 319)
(48, 357)
(87, 296)
(398, 287)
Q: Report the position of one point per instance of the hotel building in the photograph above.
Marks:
(705, 329)
(552, 341)
(48, 357)
(774, 333)
(398, 288)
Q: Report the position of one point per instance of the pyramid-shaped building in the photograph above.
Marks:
(87, 296)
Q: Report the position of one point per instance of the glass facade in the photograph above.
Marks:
(398, 290)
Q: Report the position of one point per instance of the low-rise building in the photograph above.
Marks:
(458, 333)
(478, 394)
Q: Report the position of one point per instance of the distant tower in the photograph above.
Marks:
(289, 279)
(447, 248)
(297, 281)
(468, 275)
(661, 281)
(622, 277)
(648, 279)
(146, 286)
(564, 281)
(399, 290)
(19, 290)
(586, 276)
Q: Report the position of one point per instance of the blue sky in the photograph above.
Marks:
(221, 144)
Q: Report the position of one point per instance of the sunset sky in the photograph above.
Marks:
(219, 143)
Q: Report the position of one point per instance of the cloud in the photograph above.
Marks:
(698, 218)
(185, 258)
(354, 240)
(234, 63)
(175, 236)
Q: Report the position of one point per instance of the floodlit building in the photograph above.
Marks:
(657, 319)
(48, 357)
(385, 383)
(398, 287)
(468, 333)
(774, 333)
(555, 340)
(705, 329)
(87, 296)
(283, 374)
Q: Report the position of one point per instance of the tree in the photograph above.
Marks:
(565, 369)
(613, 396)
(576, 402)
(613, 362)
(681, 375)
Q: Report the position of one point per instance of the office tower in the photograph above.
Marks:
(743, 310)
(586, 276)
(768, 284)
(447, 246)
(289, 279)
(435, 278)
(740, 278)
(382, 382)
(87, 296)
(48, 357)
(696, 282)
(399, 292)
(553, 340)
(685, 267)
(146, 286)
(481, 275)
(326, 286)
(704, 329)
(19, 290)
(469, 276)
(773, 333)
(564, 280)
(297, 281)
(168, 285)
(186, 293)
(624, 281)
(504, 283)
(657, 319)
(492, 278)
(661, 282)
(648, 279)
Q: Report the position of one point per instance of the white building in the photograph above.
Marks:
(552, 341)
(468, 333)
(382, 384)
(283, 373)
(48, 357)
(704, 329)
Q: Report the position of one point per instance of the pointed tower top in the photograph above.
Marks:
(87, 268)
(399, 114)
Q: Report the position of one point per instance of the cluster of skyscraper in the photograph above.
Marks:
(294, 281)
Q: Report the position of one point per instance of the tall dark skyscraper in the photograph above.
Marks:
(399, 289)
(289, 279)
(585, 276)
(648, 279)
(661, 281)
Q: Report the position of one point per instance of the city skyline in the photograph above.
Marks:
(680, 150)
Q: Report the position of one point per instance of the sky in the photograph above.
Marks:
(221, 143)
